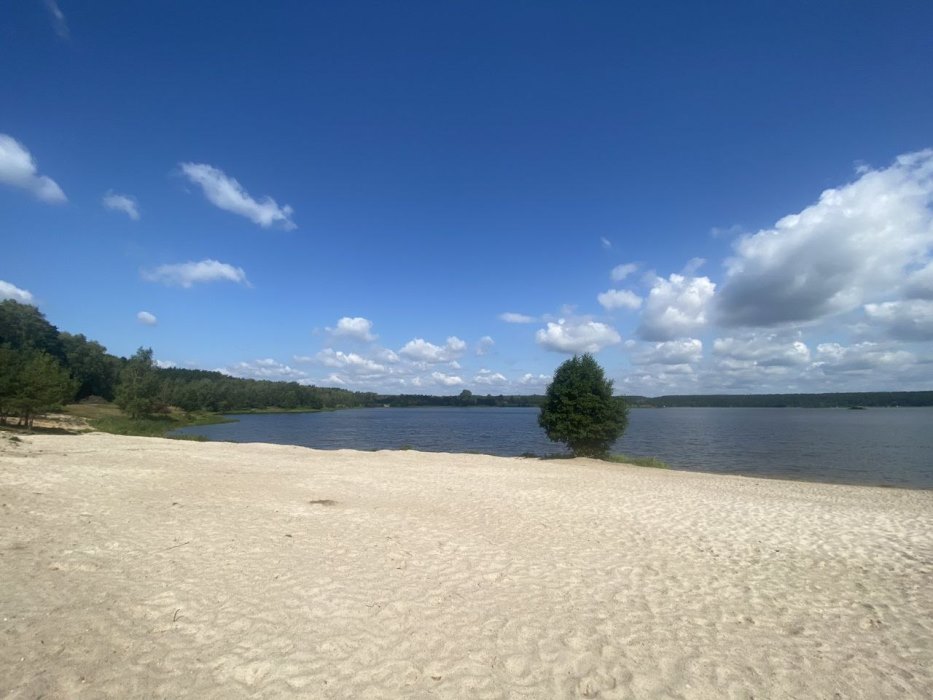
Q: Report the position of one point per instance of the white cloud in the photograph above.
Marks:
(446, 379)
(619, 299)
(264, 369)
(190, 273)
(605, 242)
(347, 361)
(920, 283)
(484, 345)
(904, 320)
(146, 318)
(865, 357)
(487, 377)
(535, 381)
(620, 272)
(18, 169)
(122, 202)
(854, 242)
(660, 380)
(59, 23)
(226, 193)
(577, 336)
(11, 291)
(672, 352)
(356, 328)
(511, 317)
(764, 350)
(676, 307)
(420, 350)
(387, 355)
(164, 364)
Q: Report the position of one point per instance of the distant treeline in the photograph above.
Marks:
(873, 399)
(42, 368)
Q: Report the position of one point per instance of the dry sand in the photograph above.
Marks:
(135, 567)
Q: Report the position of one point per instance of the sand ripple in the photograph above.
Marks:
(132, 567)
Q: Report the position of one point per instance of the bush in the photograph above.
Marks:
(580, 410)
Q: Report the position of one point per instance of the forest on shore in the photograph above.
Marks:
(43, 369)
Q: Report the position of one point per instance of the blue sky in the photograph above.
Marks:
(429, 196)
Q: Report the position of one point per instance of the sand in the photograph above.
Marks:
(137, 567)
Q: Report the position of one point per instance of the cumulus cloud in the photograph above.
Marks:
(122, 202)
(577, 336)
(535, 381)
(764, 350)
(347, 361)
(864, 357)
(484, 345)
(18, 169)
(59, 23)
(619, 299)
(146, 318)
(676, 307)
(620, 272)
(487, 377)
(11, 291)
(387, 355)
(190, 273)
(687, 351)
(264, 369)
(511, 317)
(420, 350)
(446, 379)
(855, 241)
(911, 319)
(356, 328)
(226, 193)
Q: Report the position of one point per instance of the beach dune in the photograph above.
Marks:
(136, 567)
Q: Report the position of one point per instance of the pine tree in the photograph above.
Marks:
(40, 385)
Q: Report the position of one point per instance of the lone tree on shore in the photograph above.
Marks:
(580, 410)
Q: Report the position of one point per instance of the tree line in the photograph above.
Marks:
(867, 399)
(42, 369)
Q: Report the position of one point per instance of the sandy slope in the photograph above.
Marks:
(134, 567)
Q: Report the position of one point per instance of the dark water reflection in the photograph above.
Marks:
(892, 447)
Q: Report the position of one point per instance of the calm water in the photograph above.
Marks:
(892, 446)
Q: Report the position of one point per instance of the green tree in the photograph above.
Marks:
(11, 362)
(138, 389)
(41, 385)
(580, 410)
(94, 370)
(23, 327)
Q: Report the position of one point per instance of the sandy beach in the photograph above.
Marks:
(148, 568)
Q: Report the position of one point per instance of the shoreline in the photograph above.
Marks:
(141, 566)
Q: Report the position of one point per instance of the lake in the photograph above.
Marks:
(881, 446)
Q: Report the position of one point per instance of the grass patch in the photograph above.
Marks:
(108, 418)
(652, 462)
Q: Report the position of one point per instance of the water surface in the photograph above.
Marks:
(890, 446)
